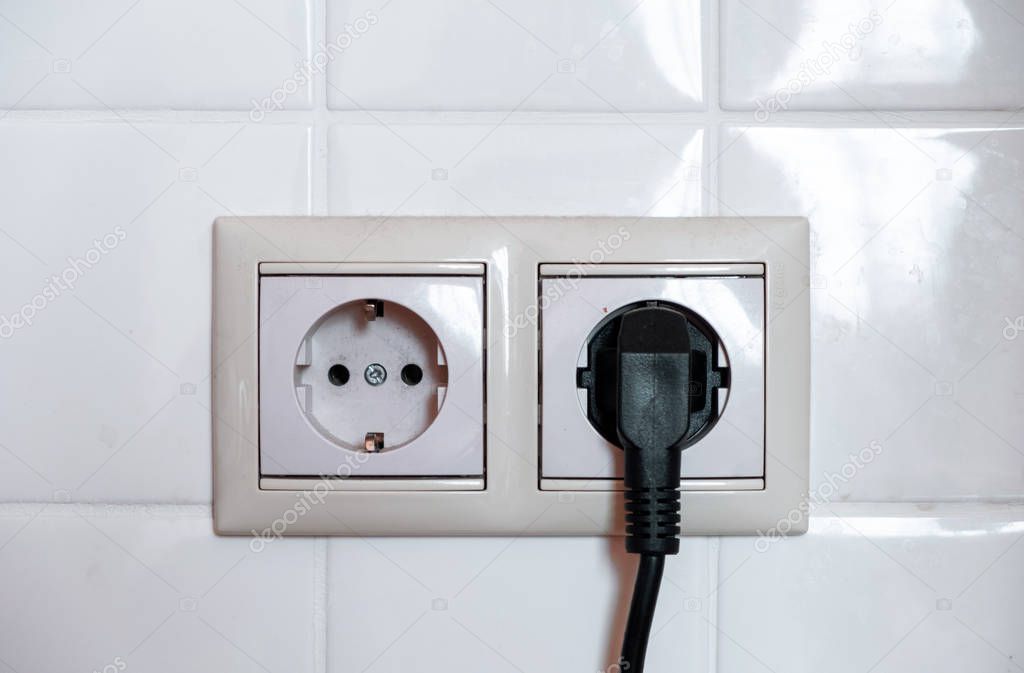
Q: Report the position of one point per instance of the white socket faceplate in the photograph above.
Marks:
(294, 380)
(730, 299)
(481, 471)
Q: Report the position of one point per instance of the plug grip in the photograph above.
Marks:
(652, 418)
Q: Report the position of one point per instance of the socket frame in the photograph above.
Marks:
(512, 251)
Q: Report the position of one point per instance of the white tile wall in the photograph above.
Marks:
(87, 588)
(117, 365)
(470, 593)
(506, 169)
(870, 54)
(147, 120)
(529, 55)
(190, 54)
(876, 589)
(916, 265)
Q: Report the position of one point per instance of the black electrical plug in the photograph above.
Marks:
(600, 377)
(652, 382)
(652, 419)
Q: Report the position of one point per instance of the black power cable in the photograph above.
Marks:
(641, 611)
(658, 362)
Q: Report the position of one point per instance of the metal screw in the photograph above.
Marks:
(375, 374)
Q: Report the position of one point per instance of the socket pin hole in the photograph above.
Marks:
(338, 375)
(412, 374)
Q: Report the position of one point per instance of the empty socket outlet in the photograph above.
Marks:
(371, 376)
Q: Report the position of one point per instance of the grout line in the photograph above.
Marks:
(714, 555)
(320, 559)
(319, 180)
(273, 118)
(957, 119)
(710, 171)
(96, 509)
(713, 130)
(712, 56)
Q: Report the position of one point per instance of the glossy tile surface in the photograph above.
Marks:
(506, 604)
(149, 591)
(915, 269)
(516, 169)
(107, 390)
(532, 55)
(197, 54)
(864, 55)
(876, 590)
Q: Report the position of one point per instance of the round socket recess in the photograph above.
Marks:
(352, 378)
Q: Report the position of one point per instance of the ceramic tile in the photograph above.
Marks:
(109, 385)
(394, 584)
(532, 55)
(875, 590)
(511, 169)
(942, 643)
(990, 607)
(495, 603)
(915, 262)
(858, 55)
(150, 590)
(215, 54)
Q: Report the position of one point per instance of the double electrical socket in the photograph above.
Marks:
(426, 375)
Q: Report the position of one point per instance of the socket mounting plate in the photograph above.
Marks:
(511, 497)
